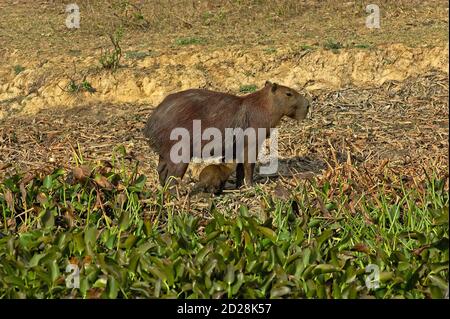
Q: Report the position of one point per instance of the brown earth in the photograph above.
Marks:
(234, 44)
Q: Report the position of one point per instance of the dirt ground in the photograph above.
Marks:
(379, 95)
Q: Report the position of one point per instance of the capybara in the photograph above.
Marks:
(213, 177)
(262, 109)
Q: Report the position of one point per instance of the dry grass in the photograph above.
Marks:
(39, 30)
(403, 126)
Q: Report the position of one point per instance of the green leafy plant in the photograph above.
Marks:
(333, 45)
(305, 47)
(126, 243)
(18, 69)
(270, 50)
(110, 58)
(84, 86)
(130, 14)
(363, 46)
(189, 41)
(248, 88)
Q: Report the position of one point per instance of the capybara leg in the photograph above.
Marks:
(249, 169)
(162, 171)
(176, 170)
(221, 188)
(199, 187)
(239, 174)
(211, 189)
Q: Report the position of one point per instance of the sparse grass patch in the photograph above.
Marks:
(333, 45)
(84, 86)
(305, 47)
(130, 14)
(18, 69)
(248, 88)
(363, 46)
(270, 50)
(211, 17)
(190, 41)
(137, 55)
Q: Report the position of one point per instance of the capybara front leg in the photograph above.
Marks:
(239, 175)
(249, 169)
(176, 170)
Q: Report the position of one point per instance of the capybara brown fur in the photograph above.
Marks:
(262, 109)
(213, 177)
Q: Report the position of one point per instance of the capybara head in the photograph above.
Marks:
(287, 101)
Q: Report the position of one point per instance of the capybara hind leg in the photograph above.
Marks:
(239, 174)
(162, 171)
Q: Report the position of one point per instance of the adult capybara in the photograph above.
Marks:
(177, 113)
(213, 177)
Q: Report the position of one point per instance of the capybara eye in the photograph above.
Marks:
(289, 94)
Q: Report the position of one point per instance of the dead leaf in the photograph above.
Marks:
(103, 182)
(87, 260)
(70, 217)
(81, 173)
(23, 192)
(9, 197)
(94, 293)
(282, 192)
(419, 250)
(121, 199)
(41, 198)
(362, 248)
(98, 201)
(323, 208)
(73, 261)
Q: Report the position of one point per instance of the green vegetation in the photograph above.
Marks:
(248, 88)
(363, 46)
(270, 50)
(18, 69)
(305, 47)
(137, 55)
(130, 14)
(189, 41)
(128, 241)
(211, 18)
(110, 59)
(84, 86)
(332, 45)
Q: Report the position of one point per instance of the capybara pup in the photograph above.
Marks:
(213, 177)
(179, 112)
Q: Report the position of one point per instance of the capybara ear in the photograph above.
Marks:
(268, 83)
(274, 87)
